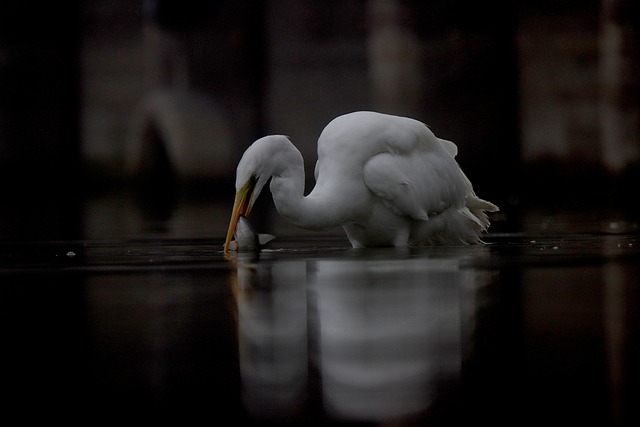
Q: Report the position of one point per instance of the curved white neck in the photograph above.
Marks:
(312, 212)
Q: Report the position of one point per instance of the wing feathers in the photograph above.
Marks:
(383, 176)
(416, 184)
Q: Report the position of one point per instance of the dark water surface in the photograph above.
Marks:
(538, 326)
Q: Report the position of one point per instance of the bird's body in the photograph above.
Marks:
(387, 180)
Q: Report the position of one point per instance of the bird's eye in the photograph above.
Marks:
(250, 184)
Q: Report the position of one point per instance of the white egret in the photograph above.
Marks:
(387, 180)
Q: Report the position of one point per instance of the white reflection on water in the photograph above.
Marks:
(272, 330)
(375, 338)
(387, 331)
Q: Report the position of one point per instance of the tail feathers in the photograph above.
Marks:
(479, 219)
(475, 210)
(474, 202)
(457, 225)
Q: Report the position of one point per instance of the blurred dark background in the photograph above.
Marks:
(113, 108)
(122, 122)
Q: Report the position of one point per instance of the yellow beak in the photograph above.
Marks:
(241, 207)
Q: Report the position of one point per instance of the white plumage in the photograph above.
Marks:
(387, 180)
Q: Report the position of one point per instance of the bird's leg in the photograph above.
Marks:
(401, 239)
(351, 232)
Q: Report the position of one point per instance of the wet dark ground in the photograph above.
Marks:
(136, 317)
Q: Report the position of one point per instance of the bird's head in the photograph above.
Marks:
(257, 165)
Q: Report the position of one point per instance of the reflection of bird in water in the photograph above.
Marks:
(387, 180)
(387, 334)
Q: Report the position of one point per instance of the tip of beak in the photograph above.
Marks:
(241, 206)
(231, 231)
(233, 223)
(227, 241)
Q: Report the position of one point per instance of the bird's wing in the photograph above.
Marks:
(416, 184)
(416, 174)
